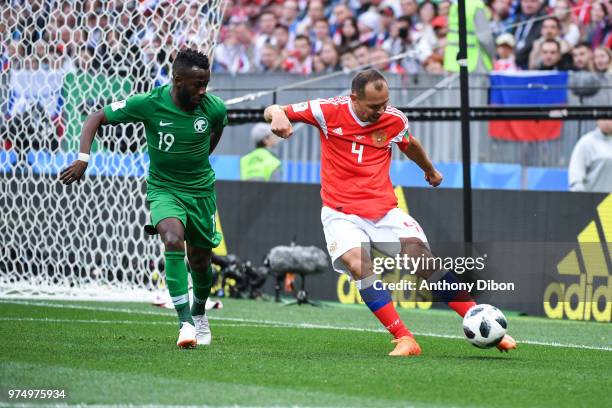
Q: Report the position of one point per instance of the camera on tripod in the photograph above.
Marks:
(248, 279)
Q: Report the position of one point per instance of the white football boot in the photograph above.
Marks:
(202, 328)
(187, 336)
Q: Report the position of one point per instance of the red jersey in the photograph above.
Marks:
(355, 155)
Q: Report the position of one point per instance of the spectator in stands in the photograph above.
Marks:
(603, 35)
(425, 32)
(582, 57)
(330, 57)
(444, 7)
(551, 30)
(596, 24)
(362, 53)
(320, 31)
(300, 60)
(316, 11)
(348, 36)
(341, 13)
(270, 59)
(479, 56)
(528, 29)
(410, 9)
(281, 39)
(590, 167)
(380, 60)
(602, 60)
(318, 66)
(290, 15)
(234, 54)
(569, 29)
(501, 18)
(266, 24)
(551, 57)
(434, 65)
(348, 61)
(505, 53)
(84, 60)
(400, 42)
(369, 25)
(261, 164)
(387, 16)
(440, 27)
(582, 11)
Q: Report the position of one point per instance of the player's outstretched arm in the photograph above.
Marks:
(415, 152)
(276, 115)
(75, 171)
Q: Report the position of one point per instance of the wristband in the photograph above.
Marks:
(84, 157)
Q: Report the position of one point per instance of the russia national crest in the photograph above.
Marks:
(379, 138)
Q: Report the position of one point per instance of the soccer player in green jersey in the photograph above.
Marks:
(183, 125)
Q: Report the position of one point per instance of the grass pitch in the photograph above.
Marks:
(264, 354)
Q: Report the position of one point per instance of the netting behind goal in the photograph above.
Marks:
(60, 61)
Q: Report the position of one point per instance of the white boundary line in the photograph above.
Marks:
(271, 323)
(35, 405)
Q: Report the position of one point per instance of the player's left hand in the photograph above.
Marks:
(433, 177)
(74, 172)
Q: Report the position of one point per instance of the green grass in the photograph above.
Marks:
(265, 354)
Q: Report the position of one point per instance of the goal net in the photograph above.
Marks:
(60, 61)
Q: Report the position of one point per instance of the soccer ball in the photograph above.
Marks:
(484, 326)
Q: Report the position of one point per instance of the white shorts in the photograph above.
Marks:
(346, 231)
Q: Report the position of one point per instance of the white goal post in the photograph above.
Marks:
(59, 62)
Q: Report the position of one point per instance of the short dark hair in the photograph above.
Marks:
(583, 44)
(551, 41)
(282, 27)
(555, 19)
(188, 58)
(405, 19)
(301, 37)
(362, 79)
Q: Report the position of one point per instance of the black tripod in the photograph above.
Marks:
(301, 297)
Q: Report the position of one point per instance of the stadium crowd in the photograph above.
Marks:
(307, 37)
(304, 37)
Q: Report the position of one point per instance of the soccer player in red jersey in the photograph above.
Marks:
(359, 204)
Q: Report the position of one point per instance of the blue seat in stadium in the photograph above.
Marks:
(227, 167)
(301, 172)
(496, 176)
(45, 162)
(546, 178)
(118, 164)
(408, 174)
(8, 158)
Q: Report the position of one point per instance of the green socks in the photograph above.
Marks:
(176, 279)
(202, 282)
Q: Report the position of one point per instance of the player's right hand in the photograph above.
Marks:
(74, 172)
(281, 126)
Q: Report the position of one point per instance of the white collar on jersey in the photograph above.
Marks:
(361, 122)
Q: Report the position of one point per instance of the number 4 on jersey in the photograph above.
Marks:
(358, 152)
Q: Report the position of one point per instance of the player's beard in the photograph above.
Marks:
(185, 99)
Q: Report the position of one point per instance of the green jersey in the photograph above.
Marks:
(178, 142)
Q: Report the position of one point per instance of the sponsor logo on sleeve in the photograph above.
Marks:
(300, 107)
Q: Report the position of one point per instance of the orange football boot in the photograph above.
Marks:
(405, 346)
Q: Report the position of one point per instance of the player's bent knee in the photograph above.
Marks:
(355, 263)
(173, 242)
(415, 248)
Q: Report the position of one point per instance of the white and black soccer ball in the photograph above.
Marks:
(484, 326)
